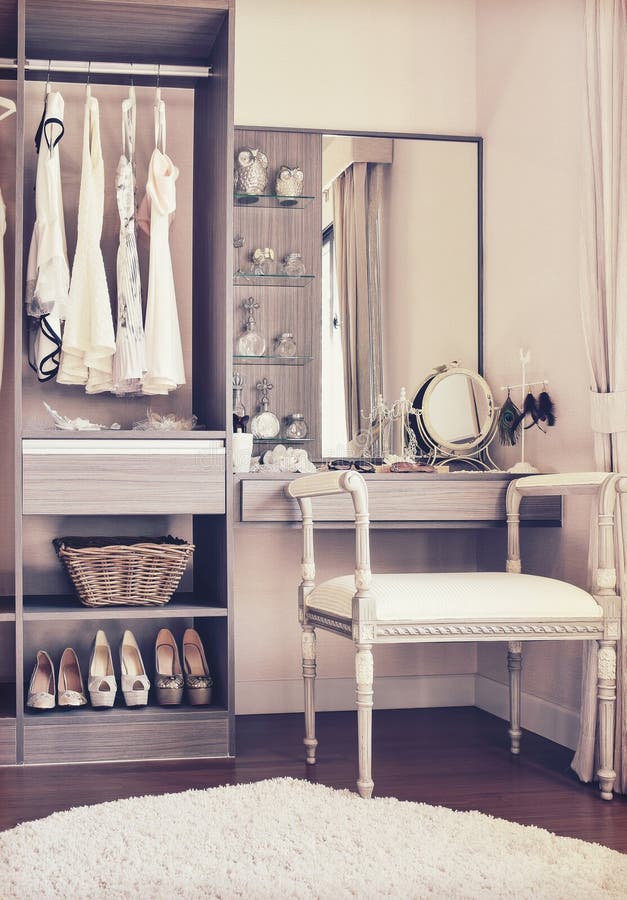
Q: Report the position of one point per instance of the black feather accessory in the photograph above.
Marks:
(546, 409)
(509, 422)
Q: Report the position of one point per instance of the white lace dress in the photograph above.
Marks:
(129, 362)
(165, 370)
(88, 337)
(47, 273)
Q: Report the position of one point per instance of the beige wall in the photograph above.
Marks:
(512, 72)
(530, 90)
(402, 66)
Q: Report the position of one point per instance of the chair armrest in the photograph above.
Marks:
(323, 483)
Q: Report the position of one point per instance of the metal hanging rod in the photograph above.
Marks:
(106, 68)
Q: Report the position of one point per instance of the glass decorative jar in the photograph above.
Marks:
(261, 260)
(251, 342)
(293, 265)
(286, 345)
(295, 427)
(265, 424)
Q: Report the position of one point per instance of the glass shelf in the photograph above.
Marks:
(280, 440)
(270, 360)
(271, 200)
(272, 280)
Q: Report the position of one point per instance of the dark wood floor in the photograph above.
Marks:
(451, 757)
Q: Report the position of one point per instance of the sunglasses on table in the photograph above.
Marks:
(342, 465)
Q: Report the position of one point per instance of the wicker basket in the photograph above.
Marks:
(124, 571)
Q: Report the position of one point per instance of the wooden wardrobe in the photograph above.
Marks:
(124, 482)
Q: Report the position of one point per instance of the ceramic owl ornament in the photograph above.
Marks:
(251, 176)
(289, 182)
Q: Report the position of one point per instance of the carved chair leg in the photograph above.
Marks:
(364, 674)
(308, 641)
(514, 665)
(606, 698)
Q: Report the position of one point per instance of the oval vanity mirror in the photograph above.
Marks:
(454, 414)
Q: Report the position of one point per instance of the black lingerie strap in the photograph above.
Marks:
(44, 374)
(41, 130)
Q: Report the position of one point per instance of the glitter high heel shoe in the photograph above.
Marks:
(168, 674)
(41, 690)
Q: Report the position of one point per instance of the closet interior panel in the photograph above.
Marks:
(10, 193)
(291, 305)
(121, 483)
(72, 401)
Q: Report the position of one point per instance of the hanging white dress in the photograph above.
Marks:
(3, 228)
(129, 362)
(88, 336)
(164, 354)
(47, 273)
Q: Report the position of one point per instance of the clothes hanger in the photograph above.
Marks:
(87, 84)
(48, 77)
(159, 107)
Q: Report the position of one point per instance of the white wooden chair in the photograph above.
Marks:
(471, 606)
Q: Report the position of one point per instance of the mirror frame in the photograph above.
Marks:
(431, 435)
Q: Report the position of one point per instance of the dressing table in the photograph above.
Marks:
(406, 501)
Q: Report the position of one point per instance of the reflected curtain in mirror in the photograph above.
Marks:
(357, 199)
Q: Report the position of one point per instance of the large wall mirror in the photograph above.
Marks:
(401, 269)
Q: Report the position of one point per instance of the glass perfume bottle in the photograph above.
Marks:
(295, 427)
(285, 345)
(240, 419)
(251, 342)
(265, 424)
(293, 265)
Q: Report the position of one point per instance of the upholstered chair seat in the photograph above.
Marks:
(467, 596)
(437, 607)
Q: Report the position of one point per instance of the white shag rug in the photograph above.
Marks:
(286, 838)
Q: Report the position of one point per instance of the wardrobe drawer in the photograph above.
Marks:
(7, 742)
(123, 477)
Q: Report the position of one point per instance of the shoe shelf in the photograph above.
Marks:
(121, 713)
(7, 609)
(181, 606)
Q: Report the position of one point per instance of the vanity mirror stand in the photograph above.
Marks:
(453, 419)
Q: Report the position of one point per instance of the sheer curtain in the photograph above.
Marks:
(604, 309)
(357, 199)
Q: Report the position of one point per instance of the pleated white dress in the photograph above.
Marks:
(47, 273)
(88, 337)
(165, 370)
(129, 362)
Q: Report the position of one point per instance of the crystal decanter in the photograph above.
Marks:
(265, 424)
(251, 342)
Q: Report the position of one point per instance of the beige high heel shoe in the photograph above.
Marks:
(70, 685)
(168, 674)
(101, 682)
(198, 680)
(135, 683)
(41, 690)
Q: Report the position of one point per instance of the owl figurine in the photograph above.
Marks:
(251, 176)
(289, 182)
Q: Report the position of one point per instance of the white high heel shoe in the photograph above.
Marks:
(101, 682)
(135, 683)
